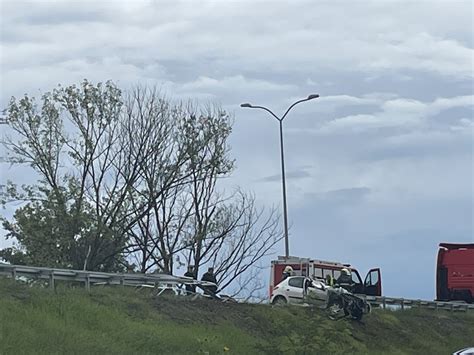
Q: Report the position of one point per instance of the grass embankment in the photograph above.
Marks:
(121, 320)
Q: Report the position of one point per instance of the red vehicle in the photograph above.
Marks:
(319, 269)
(455, 272)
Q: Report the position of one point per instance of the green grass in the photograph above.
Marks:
(118, 320)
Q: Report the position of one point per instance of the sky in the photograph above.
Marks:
(379, 168)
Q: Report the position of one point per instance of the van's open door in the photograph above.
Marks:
(373, 283)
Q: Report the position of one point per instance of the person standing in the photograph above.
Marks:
(190, 289)
(210, 277)
(287, 272)
(345, 280)
(329, 280)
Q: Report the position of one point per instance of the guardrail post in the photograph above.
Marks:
(402, 303)
(384, 304)
(51, 280)
(14, 274)
(88, 283)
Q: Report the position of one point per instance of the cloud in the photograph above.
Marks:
(289, 175)
(338, 199)
(230, 84)
(423, 51)
(399, 112)
(234, 82)
(348, 194)
(227, 42)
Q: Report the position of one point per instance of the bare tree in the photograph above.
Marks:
(206, 135)
(182, 137)
(238, 236)
(157, 198)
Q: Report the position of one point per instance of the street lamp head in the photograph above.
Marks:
(313, 96)
(245, 105)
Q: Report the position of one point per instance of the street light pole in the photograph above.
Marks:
(283, 180)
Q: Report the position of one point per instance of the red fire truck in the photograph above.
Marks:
(319, 269)
(455, 272)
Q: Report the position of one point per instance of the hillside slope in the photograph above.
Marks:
(122, 320)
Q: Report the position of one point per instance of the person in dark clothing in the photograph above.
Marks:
(190, 289)
(345, 280)
(210, 277)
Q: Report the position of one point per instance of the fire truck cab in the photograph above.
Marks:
(455, 272)
(319, 269)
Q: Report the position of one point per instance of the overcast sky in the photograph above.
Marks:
(379, 168)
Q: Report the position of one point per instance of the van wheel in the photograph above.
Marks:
(279, 301)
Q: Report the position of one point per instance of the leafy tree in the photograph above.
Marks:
(43, 231)
(74, 142)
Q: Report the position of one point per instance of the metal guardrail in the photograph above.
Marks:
(92, 277)
(403, 303)
(128, 279)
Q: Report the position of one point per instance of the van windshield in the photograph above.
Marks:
(355, 277)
